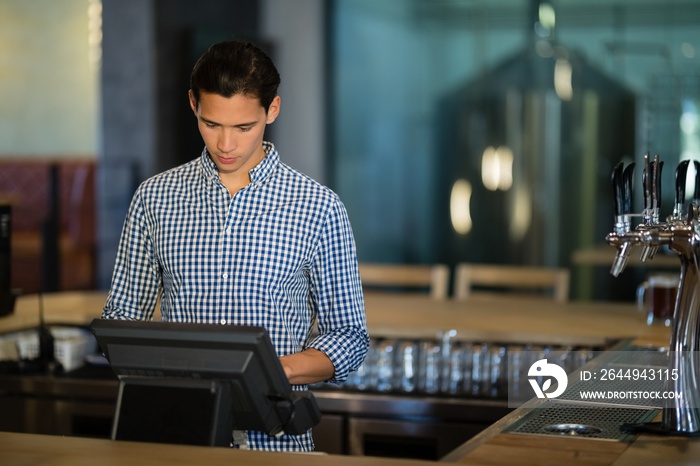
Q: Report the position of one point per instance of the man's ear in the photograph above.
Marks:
(274, 110)
(193, 101)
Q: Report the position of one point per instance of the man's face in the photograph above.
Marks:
(233, 129)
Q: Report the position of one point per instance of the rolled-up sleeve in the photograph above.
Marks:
(337, 292)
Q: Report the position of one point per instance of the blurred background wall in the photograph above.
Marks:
(404, 107)
(49, 87)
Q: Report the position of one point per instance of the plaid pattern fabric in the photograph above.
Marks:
(279, 254)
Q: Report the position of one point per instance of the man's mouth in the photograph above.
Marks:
(227, 160)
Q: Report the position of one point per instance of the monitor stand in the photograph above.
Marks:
(172, 410)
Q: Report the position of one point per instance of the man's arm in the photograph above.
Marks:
(135, 281)
(306, 367)
(337, 294)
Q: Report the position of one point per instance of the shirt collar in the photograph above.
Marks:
(258, 174)
(263, 170)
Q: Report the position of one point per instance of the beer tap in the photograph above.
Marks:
(622, 190)
(681, 415)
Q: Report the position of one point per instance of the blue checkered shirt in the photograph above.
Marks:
(279, 254)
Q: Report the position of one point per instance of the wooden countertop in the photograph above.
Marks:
(659, 451)
(539, 450)
(26, 449)
(510, 320)
(74, 308)
(417, 316)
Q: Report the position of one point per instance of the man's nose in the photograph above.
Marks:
(226, 141)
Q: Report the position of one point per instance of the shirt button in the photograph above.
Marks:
(225, 275)
(223, 321)
(228, 230)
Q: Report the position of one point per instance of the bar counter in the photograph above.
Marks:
(405, 316)
(32, 449)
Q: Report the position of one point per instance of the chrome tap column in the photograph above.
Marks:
(681, 233)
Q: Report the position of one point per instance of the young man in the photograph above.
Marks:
(236, 237)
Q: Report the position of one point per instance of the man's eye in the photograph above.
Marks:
(210, 125)
(245, 129)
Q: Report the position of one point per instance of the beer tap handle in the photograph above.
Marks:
(657, 167)
(681, 174)
(646, 184)
(651, 213)
(618, 189)
(622, 191)
(627, 189)
(696, 192)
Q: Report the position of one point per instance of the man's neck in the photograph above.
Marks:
(239, 179)
(234, 182)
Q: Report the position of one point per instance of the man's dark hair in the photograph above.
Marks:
(236, 67)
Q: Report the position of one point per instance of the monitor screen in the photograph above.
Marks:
(231, 372)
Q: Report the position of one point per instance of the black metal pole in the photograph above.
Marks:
(7, 297)
(50, 258)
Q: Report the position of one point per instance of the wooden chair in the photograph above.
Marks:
(533, 281)
(434, 278)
